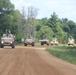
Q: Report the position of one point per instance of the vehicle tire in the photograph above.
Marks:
(42, 43)
(13, 46)
(1, 45)
(68, 44)
(52, 44)
(33, 44)
(47, 43)
(25, 44)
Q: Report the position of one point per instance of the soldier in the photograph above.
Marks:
(9, 31)
(6, 31)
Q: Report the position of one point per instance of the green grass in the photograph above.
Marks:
(64, 52)
(37, 44)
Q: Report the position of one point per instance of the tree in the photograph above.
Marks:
(5, 18)
(9, 18)
(53, 21)
(22, 27)
(63, 20)
(38, 24)
(45, 31)
(54, 18)
(5, 6)
(31, 15)
(71, 25)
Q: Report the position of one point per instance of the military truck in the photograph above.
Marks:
(44, 40)
(29, 41)
(54, 42)
(7, 39)
(71, 41)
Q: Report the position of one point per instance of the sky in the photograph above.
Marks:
(62, 8)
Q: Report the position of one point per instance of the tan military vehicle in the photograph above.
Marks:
(7, 40)
(44, 41)
(54, 42)
(71, 41)
(29, 41)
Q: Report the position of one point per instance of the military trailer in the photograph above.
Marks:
(44, 41)
(7, 40)
(54, 42)
(29, 41)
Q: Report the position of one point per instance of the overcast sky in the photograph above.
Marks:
(63, 8)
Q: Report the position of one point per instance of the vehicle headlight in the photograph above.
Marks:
(2, 42)
(10, 42)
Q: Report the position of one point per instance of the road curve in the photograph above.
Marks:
(32, 61)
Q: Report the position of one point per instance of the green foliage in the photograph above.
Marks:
(65, 27)
(54, 18)
(6, 18)
(71, 25)
(65, 53)
(19, 38)
(9, 18)
(55, 27)
(6, 6)
(45, 31)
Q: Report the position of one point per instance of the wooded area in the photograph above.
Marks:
(25, 23)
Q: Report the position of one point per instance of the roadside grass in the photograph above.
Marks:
(64, 52)
(37, 44)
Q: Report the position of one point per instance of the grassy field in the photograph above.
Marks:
(64, 52)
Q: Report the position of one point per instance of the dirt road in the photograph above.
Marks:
(32, 61)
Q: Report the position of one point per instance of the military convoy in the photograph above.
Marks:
(7, 39)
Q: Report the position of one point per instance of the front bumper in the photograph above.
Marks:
(6, 43)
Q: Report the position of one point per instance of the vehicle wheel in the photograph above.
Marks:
(13, 46)
(68, 44)
(42, 43)
(1, 45)
(33, 44)
(47, 43)
(25, 44)
(52, 44)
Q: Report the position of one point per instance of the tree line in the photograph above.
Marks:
(25, 23)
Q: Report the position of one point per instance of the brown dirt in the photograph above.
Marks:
(32, 61)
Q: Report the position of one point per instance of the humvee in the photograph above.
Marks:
(54, 42)
(71, 41)
(44, 41)
(29, 41)
(7, 40)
